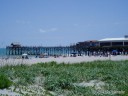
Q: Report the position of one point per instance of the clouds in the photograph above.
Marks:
(53, 29)
(22, 22)
(75, 24)
(42, 31)
(48, 30)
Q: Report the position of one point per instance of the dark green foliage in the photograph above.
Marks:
(4, 82)
(53, 82)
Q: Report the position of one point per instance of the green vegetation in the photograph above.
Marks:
(59, 79)
(4, 82)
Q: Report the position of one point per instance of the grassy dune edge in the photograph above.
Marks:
(100, 78)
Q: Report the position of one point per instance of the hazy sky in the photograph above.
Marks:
(61, 22)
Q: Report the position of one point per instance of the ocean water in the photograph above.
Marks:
(2, 52)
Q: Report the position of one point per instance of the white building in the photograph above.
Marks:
(114, 41)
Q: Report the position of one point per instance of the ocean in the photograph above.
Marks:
(2, 52)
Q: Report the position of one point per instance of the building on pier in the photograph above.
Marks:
(104, 45)
(112, 42)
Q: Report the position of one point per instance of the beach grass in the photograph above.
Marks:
(64, 79)
(4, 82)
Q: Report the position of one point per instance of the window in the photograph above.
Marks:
(117, 43)
(126, 43)
(105, 44)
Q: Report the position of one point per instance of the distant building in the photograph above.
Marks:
(107, 44)
(15, 44)
(86, 44)
(114, 42)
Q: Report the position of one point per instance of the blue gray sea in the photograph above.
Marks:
(2, 52)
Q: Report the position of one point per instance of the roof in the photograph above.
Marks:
(114, 39)
(15, 43)
(87, 41)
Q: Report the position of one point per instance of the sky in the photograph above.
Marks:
(61, 22)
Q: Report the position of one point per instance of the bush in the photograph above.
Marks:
(4, 82)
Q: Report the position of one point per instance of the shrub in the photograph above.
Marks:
(4, 82)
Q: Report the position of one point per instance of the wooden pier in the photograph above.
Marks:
(81, 48)
(17, 49)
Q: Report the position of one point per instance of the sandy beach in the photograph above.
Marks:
(77, 59)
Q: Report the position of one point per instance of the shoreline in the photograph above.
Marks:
(78, 59)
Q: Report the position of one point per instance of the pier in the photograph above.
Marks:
(91, 47)
(17, 49)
